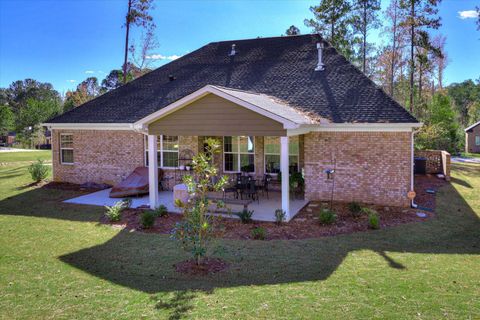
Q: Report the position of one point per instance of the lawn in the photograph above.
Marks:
(57, 261)
(25, 156)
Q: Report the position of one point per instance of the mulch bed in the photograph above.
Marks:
(207, 266)
(305, 224)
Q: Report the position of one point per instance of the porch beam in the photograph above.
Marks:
(285, 176)
(152, 171)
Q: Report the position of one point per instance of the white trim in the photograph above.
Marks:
(354, 127)
(200, 93)
(238, 153)
(60, 148)
(89, 126)
(472, 126)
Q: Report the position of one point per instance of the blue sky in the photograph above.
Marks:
(65, 41)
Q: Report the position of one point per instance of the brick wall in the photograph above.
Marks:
(371, 167)
(104, 156)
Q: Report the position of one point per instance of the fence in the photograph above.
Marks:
(438, 161)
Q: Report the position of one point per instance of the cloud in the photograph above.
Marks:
(162, 57)
(72, 81)
(467, 14)
(89, 71)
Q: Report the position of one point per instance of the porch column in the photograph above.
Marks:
(285, 176)
(152, 171)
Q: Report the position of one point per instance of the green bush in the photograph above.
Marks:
(374, 220)
(147, 219)
(114, 213)
(259, 233)
(368, 211)
(245, 215)
(38, 171)
(161, 211)
(327, 216)
(279, 216)
(355, 209)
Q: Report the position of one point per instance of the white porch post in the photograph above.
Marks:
(285, 176)
(152, 171)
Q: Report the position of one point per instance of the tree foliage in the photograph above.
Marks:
(7, 120)
(292, 31)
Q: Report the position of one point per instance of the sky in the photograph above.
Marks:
(65, 41)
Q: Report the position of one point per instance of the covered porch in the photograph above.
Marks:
(222, 112)
(262, 211)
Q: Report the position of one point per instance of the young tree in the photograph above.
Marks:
(196, 230)
(140, 53)
(137, 15)
(364, 20)
(292, 31)
(420, 15)
(332, 20)
(33, 114)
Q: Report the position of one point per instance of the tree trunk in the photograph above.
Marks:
(364, 37)
(412, 61)
(394, 53)
(126, 43)
(332, 31)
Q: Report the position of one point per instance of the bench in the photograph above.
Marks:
(244, 203)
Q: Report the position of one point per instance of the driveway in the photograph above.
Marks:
(465, 160)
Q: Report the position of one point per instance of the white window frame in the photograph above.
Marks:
(63, 148)
(265, 154)
(160, 151)
(239, 153)
(477, 140)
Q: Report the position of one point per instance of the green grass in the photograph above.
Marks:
(57, 261)
(470, 155)
(25, 156)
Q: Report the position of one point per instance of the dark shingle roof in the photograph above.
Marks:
(281, 67)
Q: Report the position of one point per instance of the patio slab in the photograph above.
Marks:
(263, 211)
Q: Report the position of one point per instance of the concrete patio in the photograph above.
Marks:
(263, 210)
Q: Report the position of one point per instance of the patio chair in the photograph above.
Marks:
(232, 188)
(250, 191)
(263, 186)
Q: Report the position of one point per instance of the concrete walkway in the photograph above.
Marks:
(465, 160)
(264, 210)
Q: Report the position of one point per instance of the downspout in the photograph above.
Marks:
(412, 174)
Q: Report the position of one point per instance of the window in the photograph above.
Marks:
(477, 140)
(272, 154)
(239, 154)
(66, 148)
(167, 155)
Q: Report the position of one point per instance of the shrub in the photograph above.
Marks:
(114, 213)
(38, 171)
(279, 216)
(161, 211)
(245, 215)
(355, 209)
(259, 233)
(127, 203)
(147, 219)
(368, 211)
(327, 216)
(374, 220)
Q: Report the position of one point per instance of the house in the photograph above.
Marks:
(472, 138)
(277, 104)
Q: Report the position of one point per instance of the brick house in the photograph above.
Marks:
(472, 138)
(278, 104)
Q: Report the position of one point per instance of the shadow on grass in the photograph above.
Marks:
(145, 261)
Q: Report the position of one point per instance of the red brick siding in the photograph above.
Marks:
(103, 156)
(372, 167)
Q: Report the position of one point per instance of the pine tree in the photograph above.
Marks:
(332, 21)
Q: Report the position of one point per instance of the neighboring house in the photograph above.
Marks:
(277, 104)
(472, 138)
(8, 140)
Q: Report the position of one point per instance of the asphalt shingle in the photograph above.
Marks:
(280, 67)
